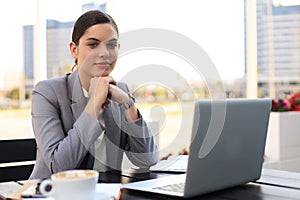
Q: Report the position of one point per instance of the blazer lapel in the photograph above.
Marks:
(113, 123)
(76, 95)
(78, 103)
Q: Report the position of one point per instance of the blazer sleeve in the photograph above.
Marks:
(60, 150)
(140, 146)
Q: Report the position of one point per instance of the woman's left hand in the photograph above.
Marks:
(117, 94)
(122, 97)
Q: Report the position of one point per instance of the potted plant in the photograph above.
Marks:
(283, 139)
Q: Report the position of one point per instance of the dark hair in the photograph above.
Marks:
(89, 19)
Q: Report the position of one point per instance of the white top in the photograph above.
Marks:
(100, 143)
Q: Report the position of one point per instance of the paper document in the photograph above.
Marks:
(8, 188)
(279, 177)
(172, 164)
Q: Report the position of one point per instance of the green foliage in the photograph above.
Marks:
(14, 94)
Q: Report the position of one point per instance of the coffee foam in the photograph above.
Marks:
(74, 174)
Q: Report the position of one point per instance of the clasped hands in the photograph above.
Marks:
(102, 89)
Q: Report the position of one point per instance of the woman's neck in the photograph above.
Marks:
(84, 80)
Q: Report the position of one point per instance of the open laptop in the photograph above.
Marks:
(227, 148)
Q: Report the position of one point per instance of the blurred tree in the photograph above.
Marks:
(14, 94)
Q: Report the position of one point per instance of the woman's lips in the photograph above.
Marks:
(102, 64)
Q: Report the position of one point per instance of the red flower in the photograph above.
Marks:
(280, 105)
(289, 103)
(294, 100)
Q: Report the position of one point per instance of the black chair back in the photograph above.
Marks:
(16, 159)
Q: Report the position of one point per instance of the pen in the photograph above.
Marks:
(30, 196)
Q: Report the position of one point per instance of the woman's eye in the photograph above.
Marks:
(111, 45)
(93, 45)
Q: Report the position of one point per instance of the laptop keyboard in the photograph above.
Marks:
(178, 187)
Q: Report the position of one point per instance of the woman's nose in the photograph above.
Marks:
(102, 50)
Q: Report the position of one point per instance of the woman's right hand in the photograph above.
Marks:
(98, 93)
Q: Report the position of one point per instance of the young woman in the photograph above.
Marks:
(86, 119)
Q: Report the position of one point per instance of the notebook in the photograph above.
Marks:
(226, 150)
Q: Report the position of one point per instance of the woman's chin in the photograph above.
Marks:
(103, 73)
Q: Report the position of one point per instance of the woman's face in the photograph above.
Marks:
(97, 50)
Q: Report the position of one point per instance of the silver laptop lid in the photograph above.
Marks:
(227, 144)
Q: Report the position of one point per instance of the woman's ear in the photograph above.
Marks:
(73, 50)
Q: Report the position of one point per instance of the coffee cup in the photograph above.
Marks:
(71, 184)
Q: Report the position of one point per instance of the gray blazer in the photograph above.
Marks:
(65, 134)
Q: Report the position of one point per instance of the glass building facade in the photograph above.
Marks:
(59, 59)
(278, 48)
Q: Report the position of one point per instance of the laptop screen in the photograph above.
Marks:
(227, 144)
